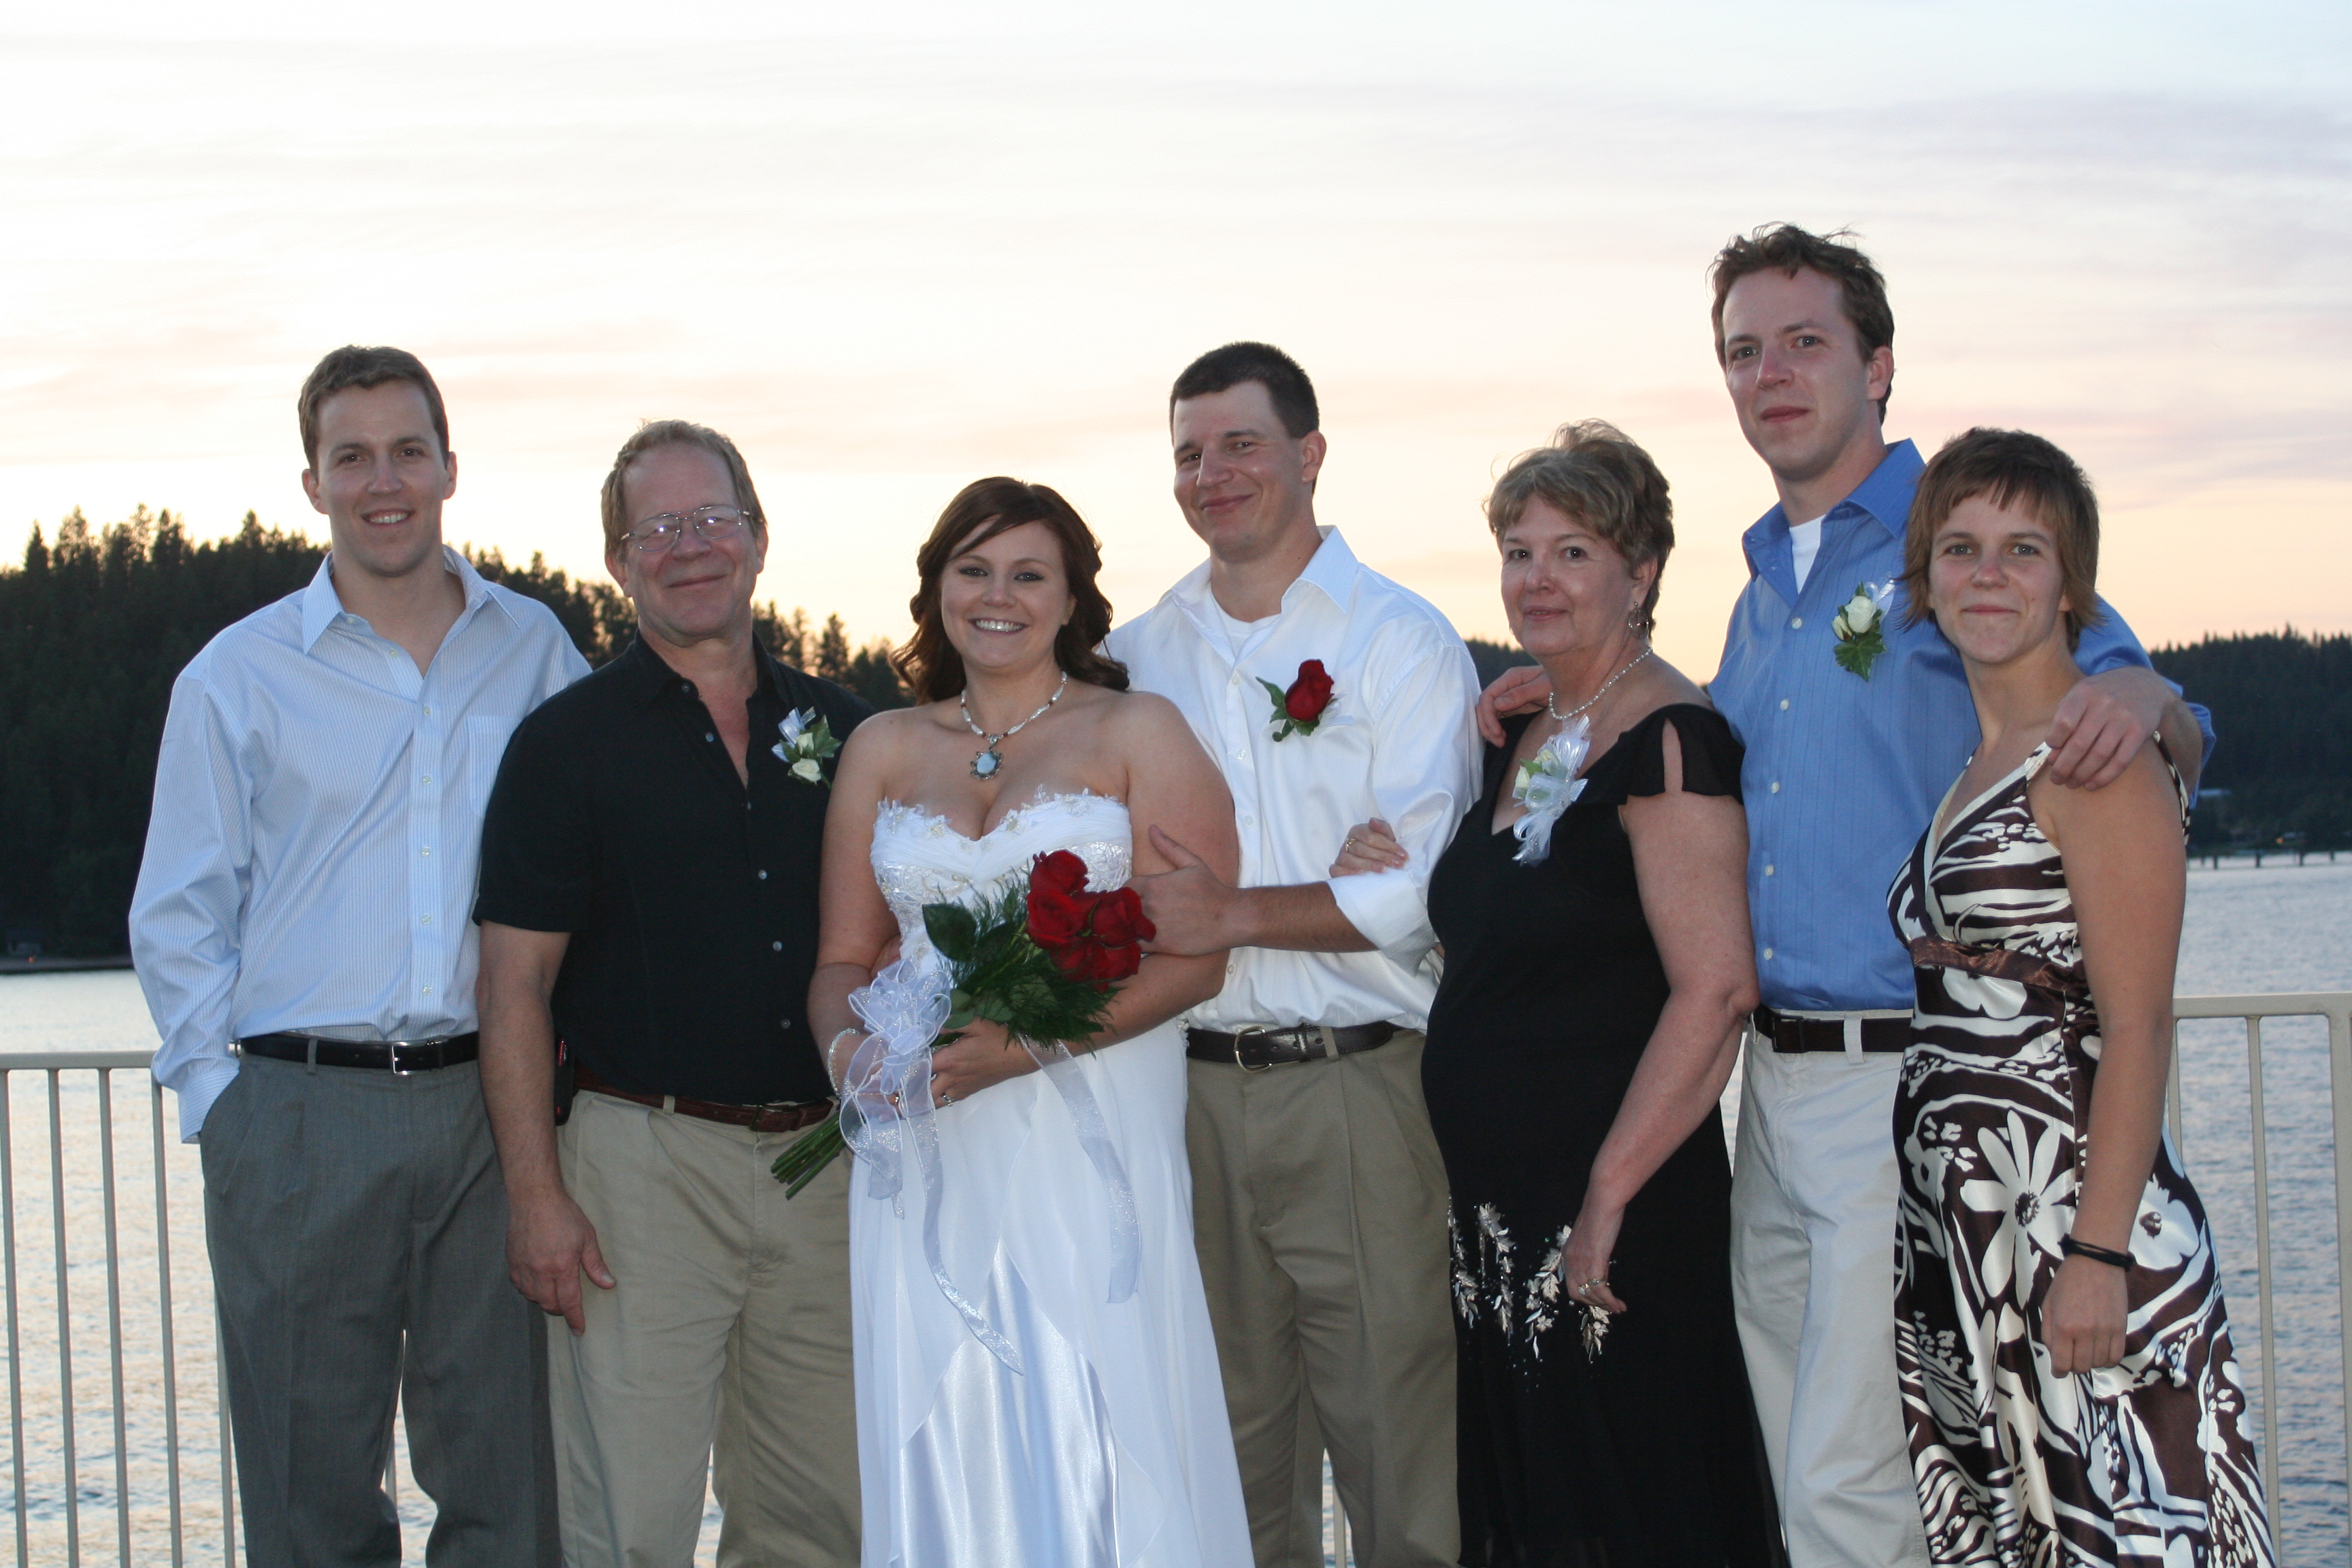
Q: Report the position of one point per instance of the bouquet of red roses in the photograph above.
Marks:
(1044, 959)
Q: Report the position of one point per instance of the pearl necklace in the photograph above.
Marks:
(984, 765)
(1597, 696)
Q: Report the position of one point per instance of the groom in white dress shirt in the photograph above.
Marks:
(1318, 1192)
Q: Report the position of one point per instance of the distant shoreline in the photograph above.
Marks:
(50, 963)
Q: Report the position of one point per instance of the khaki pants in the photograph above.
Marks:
(1318, 1205)
(1813, 1193)
(729, 1325)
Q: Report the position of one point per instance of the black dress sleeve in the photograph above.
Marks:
(1637, 763)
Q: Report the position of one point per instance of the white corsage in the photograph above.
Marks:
(1858, 622)
(1547, 786)
(807, 742)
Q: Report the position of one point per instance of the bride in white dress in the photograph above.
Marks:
(1037, 1379)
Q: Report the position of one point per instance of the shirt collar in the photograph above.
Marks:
(1332, 568)
(322, 605)
(646, 675)
(1885, 496)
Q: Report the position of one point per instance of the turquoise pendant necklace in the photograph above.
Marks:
(985, 765)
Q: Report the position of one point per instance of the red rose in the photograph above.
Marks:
(1118, 920)
(1095, 963)
(1119, 962)
(1310, 694)
(1057, 908)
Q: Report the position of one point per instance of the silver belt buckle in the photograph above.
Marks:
(1244, 1032)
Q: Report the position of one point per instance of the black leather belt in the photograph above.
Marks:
(387, 1056)
(1258, 1048)
(784, 1116)
(1793, 1034)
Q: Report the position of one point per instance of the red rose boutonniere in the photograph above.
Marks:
(1297, 711)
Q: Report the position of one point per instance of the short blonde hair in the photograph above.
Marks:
(655, 433)
(2012, 469)
(1594, 473)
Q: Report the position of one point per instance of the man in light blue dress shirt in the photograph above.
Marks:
(1843, 769)
(1842, 772)
(300, 929)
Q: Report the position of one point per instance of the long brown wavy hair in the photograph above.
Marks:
(929, 663)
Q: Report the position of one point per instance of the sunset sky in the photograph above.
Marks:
(892, 247)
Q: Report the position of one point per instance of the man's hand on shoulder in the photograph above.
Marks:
(2105, 719)
(550, 1244)
(1521, 688)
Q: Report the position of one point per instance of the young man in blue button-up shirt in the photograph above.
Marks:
(1846, 760)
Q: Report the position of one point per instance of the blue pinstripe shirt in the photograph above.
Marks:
(1841, 773)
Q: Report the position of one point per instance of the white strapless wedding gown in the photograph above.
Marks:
(1108, 1446)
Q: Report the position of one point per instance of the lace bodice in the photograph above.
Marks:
(919, 859)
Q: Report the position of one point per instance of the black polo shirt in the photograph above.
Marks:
(690, 899)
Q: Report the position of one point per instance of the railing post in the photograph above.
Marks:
(2339, 1084)
(115, 1313)
(163, 1291)
(65, 1323)
(15, 1339)
(2263, 1271)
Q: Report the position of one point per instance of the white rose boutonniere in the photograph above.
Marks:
(807, 742)
(1858, 626)
(1547, 787)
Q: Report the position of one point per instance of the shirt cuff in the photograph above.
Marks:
(201, 1084)
(1389, 909)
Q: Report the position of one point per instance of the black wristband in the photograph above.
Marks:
(2108, 1255)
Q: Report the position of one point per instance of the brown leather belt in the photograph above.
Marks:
(386, 1056)
(1792, 1035)
(780, 1118)
(1258, 1048)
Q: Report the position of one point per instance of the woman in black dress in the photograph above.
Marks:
(1593, 913)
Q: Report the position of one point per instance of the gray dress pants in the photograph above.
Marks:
(357, 1224)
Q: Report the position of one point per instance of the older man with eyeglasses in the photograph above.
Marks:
(649, 918)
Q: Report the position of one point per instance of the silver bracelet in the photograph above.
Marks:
(833, 1045)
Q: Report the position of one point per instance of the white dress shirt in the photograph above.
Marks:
(1398, 742)
(317, 815)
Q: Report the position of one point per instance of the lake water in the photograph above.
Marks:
(2279, 929)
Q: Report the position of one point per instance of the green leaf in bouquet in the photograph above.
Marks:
(952, 929)
(995, 1009)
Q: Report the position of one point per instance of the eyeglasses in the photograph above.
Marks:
(710, 524)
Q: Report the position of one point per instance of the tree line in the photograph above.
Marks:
(95, 624)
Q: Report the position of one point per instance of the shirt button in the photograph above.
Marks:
(426, 989)
(1775, 786)
(763, 876)
(425, 852)
(776, 946)
(1768, 952)
(708, 736)
(783, 1022)
(428, 711)
(1784, 704)
(1768, 870)
(1796, 622)
(1247, 821)
(425, 780)
(427, 920)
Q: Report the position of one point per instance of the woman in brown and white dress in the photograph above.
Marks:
(2067, 1372)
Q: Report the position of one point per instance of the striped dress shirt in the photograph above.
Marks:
(310, 857)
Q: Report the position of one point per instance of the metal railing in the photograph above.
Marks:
(2335, 1007)
(149, 1468)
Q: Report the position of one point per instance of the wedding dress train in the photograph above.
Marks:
(1060, 1415)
